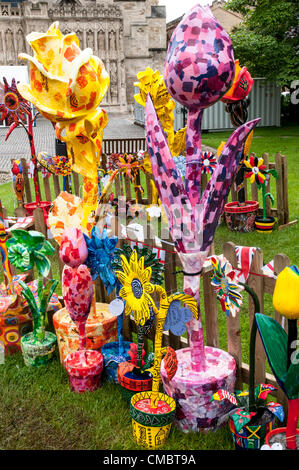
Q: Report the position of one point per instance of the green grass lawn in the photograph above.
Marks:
(38, 409)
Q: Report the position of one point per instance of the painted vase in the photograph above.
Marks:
(150, 430)
(38, 353)
(100, 328)
(84, 369)
(112, 358)
(192, 391)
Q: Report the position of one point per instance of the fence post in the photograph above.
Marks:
(284, 167)
(39, 221)
(257, 284)
(279, 189)
(233, 323)
(26, 180)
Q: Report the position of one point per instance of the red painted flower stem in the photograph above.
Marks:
(292, 423)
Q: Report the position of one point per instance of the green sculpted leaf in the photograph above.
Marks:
(275, 341)
(47, 293)
(46, 248)
(42, 263)
(292, 379)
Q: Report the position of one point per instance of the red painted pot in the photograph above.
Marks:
(275, 432)
(84, 368)
(44, 205)
(240, 218)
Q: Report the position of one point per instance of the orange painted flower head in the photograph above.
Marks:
(67, 85)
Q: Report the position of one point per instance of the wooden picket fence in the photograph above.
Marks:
(133, 145)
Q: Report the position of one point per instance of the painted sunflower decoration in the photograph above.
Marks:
(137, 288)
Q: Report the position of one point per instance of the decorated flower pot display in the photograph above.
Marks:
(257, 172)
(280, 348)
(100, 329)
(193, 213)
(84, 366)
(152, 412)
(250, 416)
(131, 373)
(101, 253)
(26, 250)
(240, 217)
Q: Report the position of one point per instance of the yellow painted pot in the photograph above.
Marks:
(101, 328)
(150, 430)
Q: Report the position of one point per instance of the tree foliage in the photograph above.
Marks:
(267, 42)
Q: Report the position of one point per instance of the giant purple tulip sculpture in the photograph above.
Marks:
(199, 69)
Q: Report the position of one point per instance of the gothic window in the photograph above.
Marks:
(9, 39)
(90, 39)
(101, 41)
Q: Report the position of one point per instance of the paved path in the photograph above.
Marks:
(17, 145)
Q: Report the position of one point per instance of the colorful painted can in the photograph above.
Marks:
(132, 382)
(84, 369)
(250, 437)
(264, 225)
(150, 430)
(38, 353)
(101, 328)
(112, 358)
(192, 391)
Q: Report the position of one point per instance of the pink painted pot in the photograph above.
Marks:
(84, 369)
(192, 391)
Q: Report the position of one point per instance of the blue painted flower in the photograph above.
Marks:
(100, 255)
(177, 317)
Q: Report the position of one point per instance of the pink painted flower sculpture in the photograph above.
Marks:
(199, 69)
(73, 249)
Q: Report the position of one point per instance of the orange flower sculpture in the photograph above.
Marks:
(67, 86)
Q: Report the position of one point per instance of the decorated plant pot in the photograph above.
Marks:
(192, 391)
(101, 328)
(240, 218)
(251, 437)
(84, 369)
(12, 327)
(278, 435)
(131, 382)
(112, 358)
(264, 225)
(38, 353)
(150, 429)
(44, 205)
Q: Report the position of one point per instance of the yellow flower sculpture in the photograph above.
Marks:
(286, 293)
(136, 288)
(153, 83)
(67, 86)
